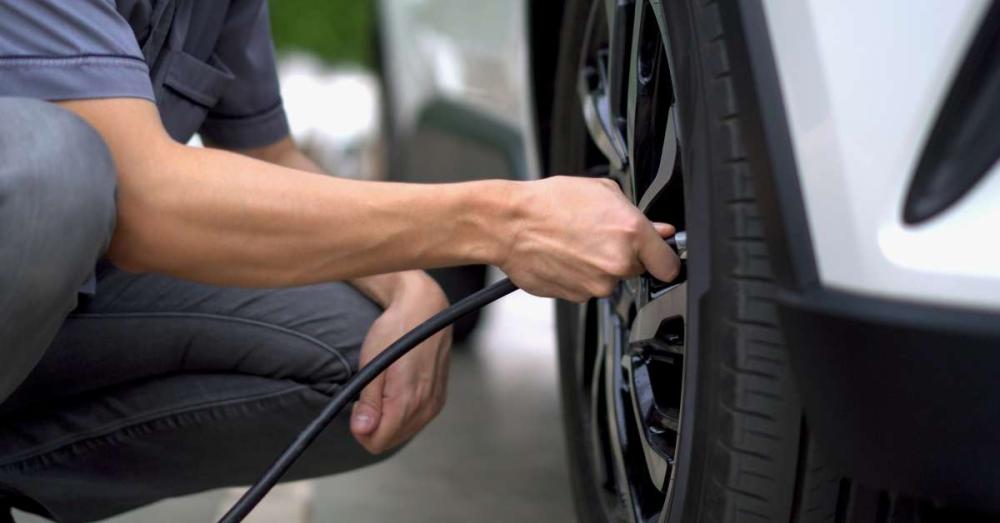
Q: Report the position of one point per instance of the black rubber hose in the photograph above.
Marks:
(353, 387)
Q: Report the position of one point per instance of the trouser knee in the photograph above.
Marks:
(57, 215)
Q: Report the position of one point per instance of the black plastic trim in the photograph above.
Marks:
(768, 143)
(906, 393)
(965, 142)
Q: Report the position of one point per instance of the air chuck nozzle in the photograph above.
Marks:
(678, 242)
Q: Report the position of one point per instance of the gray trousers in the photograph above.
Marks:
(152, 387)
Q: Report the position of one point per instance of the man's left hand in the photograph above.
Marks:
(407, 396)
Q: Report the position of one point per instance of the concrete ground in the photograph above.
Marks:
(495, 454)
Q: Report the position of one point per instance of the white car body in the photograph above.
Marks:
(861, 101)
(472, 55)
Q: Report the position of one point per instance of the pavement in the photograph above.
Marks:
(495, 454)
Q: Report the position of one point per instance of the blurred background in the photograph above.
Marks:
(339, 32)
(496, 452)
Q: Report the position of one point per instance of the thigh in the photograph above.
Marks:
(140, 327)
(158, 388)
(100, 455)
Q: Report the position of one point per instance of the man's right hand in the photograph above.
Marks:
(577, 237)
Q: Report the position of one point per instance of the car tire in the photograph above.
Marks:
(743, 451)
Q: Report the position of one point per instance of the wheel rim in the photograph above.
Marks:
(632, 361)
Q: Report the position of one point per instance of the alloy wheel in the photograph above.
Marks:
(632, 360)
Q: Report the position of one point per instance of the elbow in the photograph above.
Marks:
(143, 232)
(126, 253)
(137, 244)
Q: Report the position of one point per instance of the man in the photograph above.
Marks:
(211, 329)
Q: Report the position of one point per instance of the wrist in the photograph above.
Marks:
(415, 285)
(492, 212)
(384, 289)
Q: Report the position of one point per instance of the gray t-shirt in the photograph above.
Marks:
(208, 64)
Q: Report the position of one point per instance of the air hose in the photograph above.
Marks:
(353, 387)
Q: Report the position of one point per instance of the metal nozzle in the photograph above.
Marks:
(678, 242)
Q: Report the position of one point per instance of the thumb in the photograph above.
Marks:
(659, 259)
(368, 409)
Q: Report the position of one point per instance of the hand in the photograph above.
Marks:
(407, 396)
(577, 237)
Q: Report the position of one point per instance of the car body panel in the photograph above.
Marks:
(862, 85)
(459, 70)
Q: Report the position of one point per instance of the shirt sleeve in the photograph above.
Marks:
(66, 50)
(250, 113)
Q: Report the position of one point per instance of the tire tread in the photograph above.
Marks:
(756, 458)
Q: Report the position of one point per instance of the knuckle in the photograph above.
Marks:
(424, 393)
(609, 183)
(635, 224)
(620, 267)
(370, 446)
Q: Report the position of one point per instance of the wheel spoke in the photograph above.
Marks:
(597, 115)
(665, 167)
(619, 15)
(596, 400)
(602, 81)
(623, 299)
(612, 395)
(668, 306)
(650, 134)
(650, 420)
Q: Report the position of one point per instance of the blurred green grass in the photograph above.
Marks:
(338, 31)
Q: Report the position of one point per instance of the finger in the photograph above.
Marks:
(395, 416)
(419, 418)
(665, 230)
(659, 259)
(367, 411)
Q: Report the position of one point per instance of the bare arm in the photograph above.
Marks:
(380, 288)
(224, 218)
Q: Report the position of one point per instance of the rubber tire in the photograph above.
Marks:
(749, 459)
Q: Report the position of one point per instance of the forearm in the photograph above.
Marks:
(384, 289)
(223, 218)
(219, 217)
